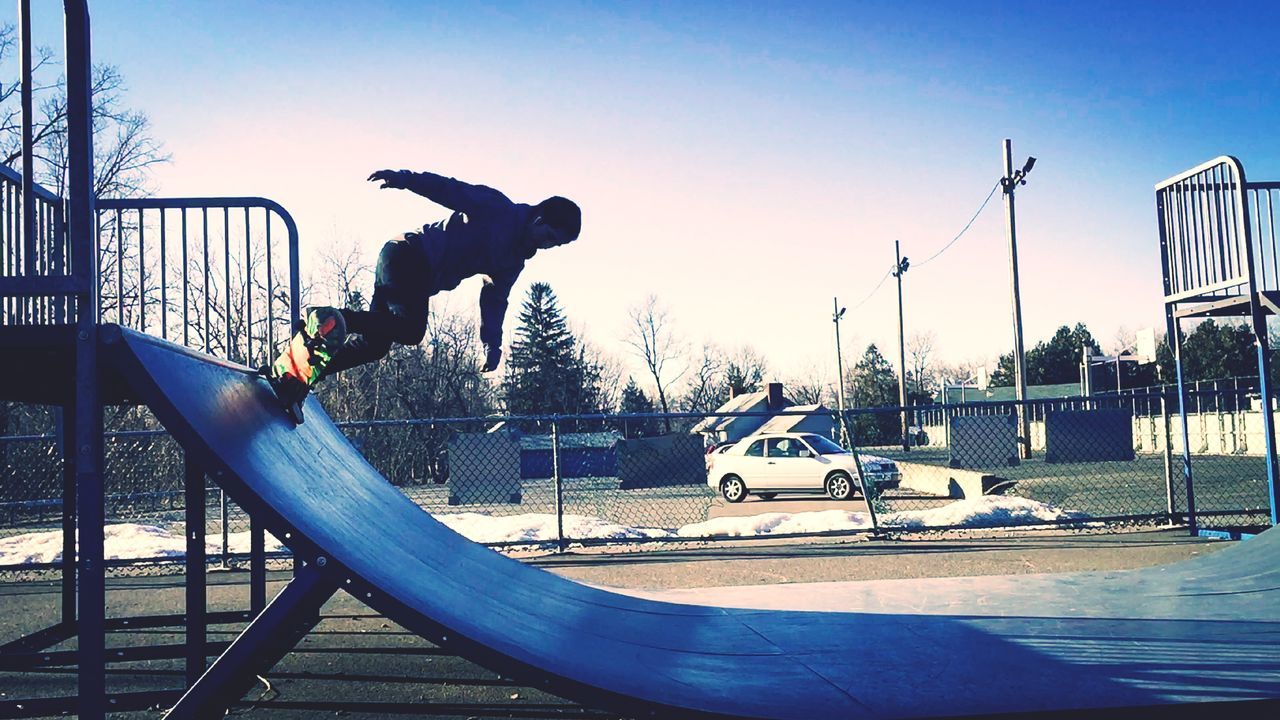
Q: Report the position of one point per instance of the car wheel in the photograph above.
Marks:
(768, 496)
(733, 489)
(839, 486)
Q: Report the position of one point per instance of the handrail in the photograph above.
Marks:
(1205, 241)
(40, 191)
(36, 279)
(224, 295)
(203, 271)
(1229, 160)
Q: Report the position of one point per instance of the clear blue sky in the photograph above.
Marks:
(743, 161)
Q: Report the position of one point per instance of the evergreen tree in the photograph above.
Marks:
(1212, 352)
(547, 372)
(875, 384)
(742, 379)
(635, 402)
(1050, 363)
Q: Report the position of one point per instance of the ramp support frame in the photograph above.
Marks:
(272, 634)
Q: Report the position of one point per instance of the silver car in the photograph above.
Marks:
(802, 463)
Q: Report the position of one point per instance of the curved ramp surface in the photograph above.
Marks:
(1197, 631)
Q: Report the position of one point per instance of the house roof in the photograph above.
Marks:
(746, 402)
(785, 423)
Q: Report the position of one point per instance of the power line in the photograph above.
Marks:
(959, 235)
(873, 291)
(966, 227)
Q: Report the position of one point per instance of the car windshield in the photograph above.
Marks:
(823, 446)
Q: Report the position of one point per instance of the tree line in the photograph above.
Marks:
(1212, 350)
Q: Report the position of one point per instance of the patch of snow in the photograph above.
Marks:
(131, 541)
(540, 527)
(778, 524)
(238, 542)
(986, 511)
(124, 541)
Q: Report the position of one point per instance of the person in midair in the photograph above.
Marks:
(487, 234)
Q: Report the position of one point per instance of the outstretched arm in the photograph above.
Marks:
(493, 310)
(451, 193)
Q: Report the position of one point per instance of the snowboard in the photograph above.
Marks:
(302, 362)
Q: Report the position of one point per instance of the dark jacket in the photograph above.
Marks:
(483, 236)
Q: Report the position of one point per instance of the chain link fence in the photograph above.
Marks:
(556, 481)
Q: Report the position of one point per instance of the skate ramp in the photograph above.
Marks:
(1197, 631)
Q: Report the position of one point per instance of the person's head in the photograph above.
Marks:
(554, 221)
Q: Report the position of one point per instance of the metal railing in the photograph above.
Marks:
(1263, 199)
(1218, 234)
(1204, 234)
(37, 259)
(216, 274)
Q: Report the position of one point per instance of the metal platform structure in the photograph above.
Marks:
(162, 266)
(1144, 641)
(1220, 258)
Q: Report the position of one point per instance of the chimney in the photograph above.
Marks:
(775, 396)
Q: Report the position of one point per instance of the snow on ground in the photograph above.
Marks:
(778, 523)
(540, 528)
(126, 541)
(130, 541)
(987, 511)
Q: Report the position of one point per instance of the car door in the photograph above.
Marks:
(751, 466)
(782, 461)
(810, 470)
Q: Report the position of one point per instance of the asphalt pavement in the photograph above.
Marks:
(356, 664)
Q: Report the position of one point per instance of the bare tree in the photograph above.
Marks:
(920, 353)
(124, 149)
(745, 371)
(608, 368)
(703, 390)
(651, 337)
(345, 274)
(810, 386)
(965, 372)
(1125, 339)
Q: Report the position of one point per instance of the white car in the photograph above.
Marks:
(766, 465)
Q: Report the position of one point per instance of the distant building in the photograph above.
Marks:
(819, 421)
(719, 428)
(767, 408)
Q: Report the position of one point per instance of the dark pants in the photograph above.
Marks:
(397, 313)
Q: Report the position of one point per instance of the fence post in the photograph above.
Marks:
(226, 542)
(196, 599)
(559, 484)
(868, 487)
(1168, 458)
(66, 422)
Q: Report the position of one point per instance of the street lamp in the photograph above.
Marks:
(899, 269)
(1009, 183)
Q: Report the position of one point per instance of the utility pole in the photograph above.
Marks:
(899, 269)
(837, 313)
(1009, 183)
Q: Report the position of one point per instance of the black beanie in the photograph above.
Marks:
(562, 214)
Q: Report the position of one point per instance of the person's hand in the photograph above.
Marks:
(393, 179)
(492, 356)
